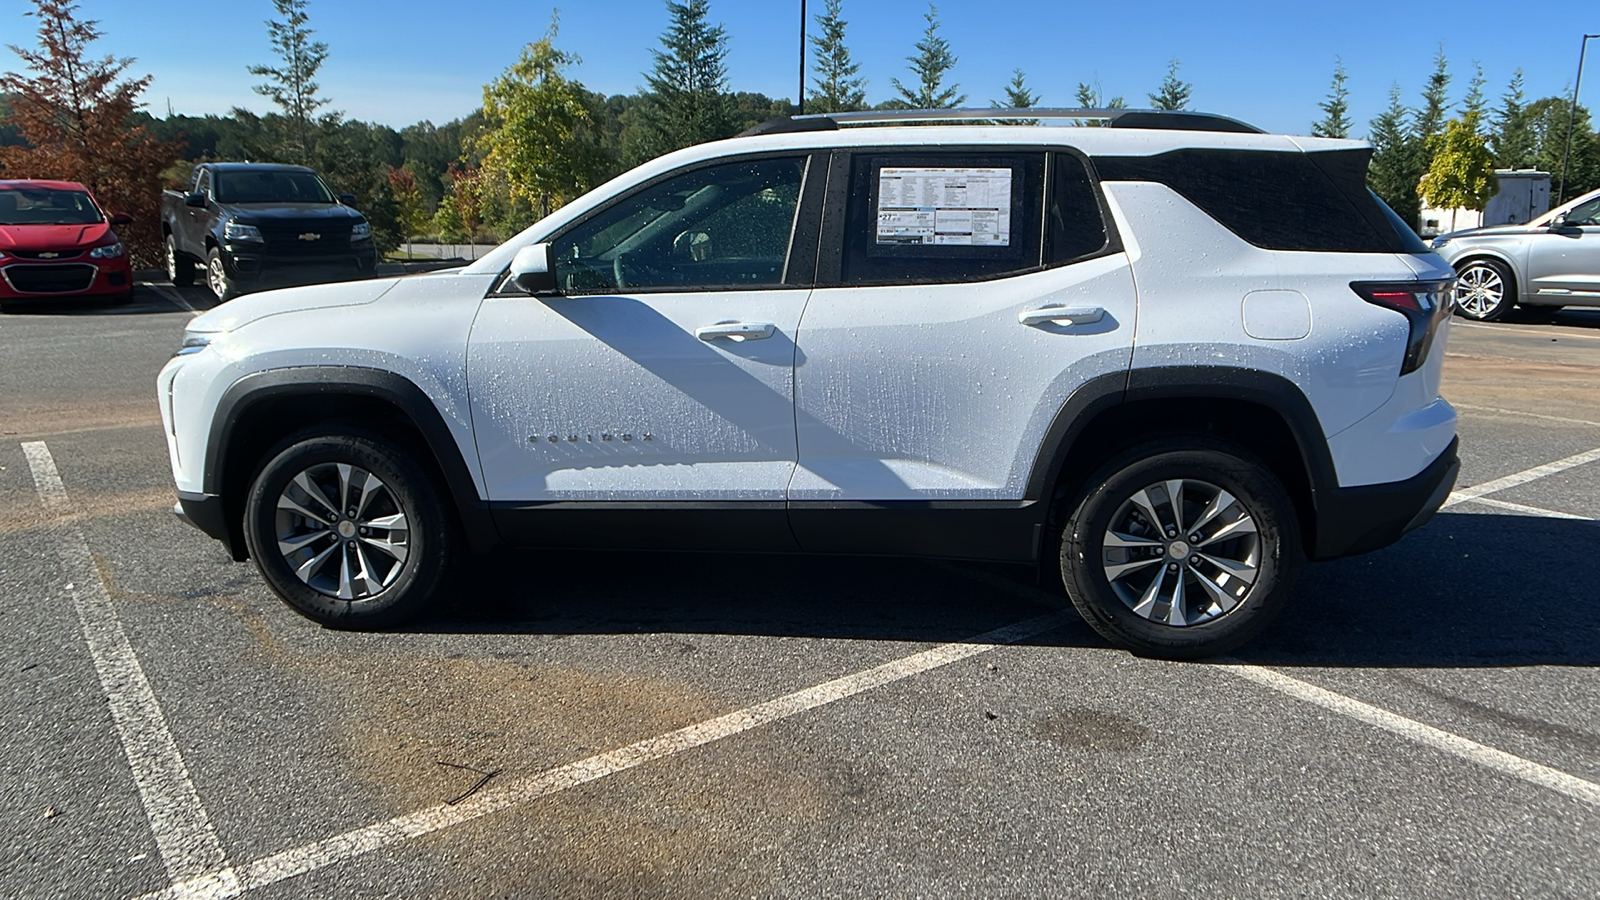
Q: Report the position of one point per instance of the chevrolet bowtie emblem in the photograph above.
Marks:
(310, 236)
(49, 254)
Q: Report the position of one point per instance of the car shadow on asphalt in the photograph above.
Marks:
(1469, 590)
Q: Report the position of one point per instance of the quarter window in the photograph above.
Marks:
(722, 226)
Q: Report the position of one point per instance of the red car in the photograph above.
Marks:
(56, 242)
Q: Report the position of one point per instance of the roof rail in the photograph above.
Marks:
(1176, 120)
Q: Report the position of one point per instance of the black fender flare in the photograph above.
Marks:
(357, 381)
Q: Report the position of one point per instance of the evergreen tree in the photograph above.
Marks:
(932, 62)
(1547, 121)
(1393, 172)
(838, 88)
(1430, 117)
(74, 116)
(1474, 107)
(1090, 96)
(1173, 94)
(688, 99)
(1335, 122)
(1510, 139)
(292, 84)
(1018, 96)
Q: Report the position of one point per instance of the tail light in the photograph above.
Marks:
(1424, 304)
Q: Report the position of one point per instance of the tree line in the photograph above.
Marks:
(542, 138)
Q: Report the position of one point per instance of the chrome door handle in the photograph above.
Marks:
(736, 331)
(1066, 316)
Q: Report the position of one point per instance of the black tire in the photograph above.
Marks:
(217, 278)
(180, 268)
(428, 536)
(1203, 464)
(1485, 290)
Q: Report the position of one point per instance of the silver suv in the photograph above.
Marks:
(1551, 262)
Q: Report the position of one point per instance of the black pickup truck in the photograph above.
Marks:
(254, 225)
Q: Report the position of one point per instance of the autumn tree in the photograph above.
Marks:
(931, 64)
(408, 198)
(1173, 93)
(1335, 121)
(838, 87)
(291, 84)
(542, 136)
(1461, 172)
(73, 111)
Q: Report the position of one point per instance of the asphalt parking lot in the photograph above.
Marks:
(1425, 721)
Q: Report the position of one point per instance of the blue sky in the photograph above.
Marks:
(1268, 63)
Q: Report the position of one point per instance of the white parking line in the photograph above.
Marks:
(171, 295)
(341, 847)
(1544, 334)
(1518, 412)
(1520, 478)
(1482, 754)
(183, 833)
(1531, 510)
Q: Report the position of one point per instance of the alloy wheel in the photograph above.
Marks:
(1479, 290)
(217, 277)
(1182, 552)
(342, 531)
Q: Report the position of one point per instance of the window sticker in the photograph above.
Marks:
(953, 206)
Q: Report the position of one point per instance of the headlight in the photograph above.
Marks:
(109, 251)
(236, 232)
(362, 231)
(194, 342)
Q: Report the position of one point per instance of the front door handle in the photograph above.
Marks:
(736, 331)
(1065, 316)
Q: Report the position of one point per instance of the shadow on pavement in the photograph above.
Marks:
(1466, 591)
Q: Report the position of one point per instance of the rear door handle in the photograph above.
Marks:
(1065, 316)
(736, 331)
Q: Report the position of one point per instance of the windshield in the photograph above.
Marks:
(47, 206)
(1580, 210)
(271, 187)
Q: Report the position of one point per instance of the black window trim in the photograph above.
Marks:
(801, 233)
(831, 235)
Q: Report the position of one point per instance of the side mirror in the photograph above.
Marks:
(532, 270)
(121, 219)
(198, 201)
(347, 199)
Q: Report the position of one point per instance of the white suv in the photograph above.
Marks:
(1165, 361)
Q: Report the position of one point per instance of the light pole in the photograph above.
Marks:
(1572, 115)
(800, 102)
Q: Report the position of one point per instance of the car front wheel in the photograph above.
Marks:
(1483, 290)
(1181, 549)
(348, 530)
(217, 278)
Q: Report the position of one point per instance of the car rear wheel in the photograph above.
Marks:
(1183, 548)
(1483, 290)
(217, 277)
(349, 530)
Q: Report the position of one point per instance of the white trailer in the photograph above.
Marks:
(1524, 195)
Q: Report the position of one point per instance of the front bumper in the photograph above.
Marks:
(210, 515)
(252, 265)
(73, 277)
(1373, 516)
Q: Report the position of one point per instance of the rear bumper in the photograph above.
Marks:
(1371, 517)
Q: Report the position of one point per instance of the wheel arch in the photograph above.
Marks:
(259, 411)
(1265, 413)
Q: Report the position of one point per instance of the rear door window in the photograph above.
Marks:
(915, 217)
